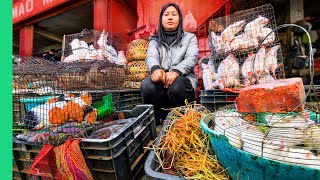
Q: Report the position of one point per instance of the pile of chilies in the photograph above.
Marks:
(184, 150)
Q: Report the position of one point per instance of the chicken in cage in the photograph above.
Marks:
(272, 122)
(270, 131)
(238, 36)
(54, 98)
(59, 118)
(247, 51)
(290, 138)
(90, 75)
(94, 45)
(208, 73)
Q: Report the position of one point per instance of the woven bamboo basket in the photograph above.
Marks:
(137, 50)
(137, 71)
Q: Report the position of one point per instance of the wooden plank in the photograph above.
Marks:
(296, 10)
(47, 48)
(48, 35)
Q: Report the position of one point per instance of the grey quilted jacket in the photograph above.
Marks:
(182, 57)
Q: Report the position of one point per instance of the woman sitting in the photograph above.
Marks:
(171, 58)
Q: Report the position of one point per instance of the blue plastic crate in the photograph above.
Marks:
(32, 102)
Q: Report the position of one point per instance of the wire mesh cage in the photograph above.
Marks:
(93, 45)
(270, 131)
(290, 138)
(245, 49)
(90, 75)
(58, 100)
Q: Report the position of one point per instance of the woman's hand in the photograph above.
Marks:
(158, 76)
(170, 78)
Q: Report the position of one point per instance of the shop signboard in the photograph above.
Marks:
(24, 9)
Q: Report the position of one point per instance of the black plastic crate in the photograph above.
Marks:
(215, 99)
(23, 155)
(152, 166)
(16, 175)
(119, 158)
(24, 166)
(128, 99)
(125, 162)
(14, 166)
(144, 115)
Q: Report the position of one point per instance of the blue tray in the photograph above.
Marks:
(32, 102)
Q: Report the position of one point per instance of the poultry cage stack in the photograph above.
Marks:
(239, 57)
(269, 145)
(68, 99)
(137, 68)
(270, 132)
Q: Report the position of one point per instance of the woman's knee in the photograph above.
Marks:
(182, 87)
(149, 87)
(178, 86)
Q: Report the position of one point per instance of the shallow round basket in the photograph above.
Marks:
(244, 165)
(137, 50)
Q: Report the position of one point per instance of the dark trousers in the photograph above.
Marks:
(160, 97)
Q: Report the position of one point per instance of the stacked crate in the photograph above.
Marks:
(121, 157)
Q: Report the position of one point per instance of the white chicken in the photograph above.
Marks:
(228, 73)
(265, 32)
(84, 49)
(271, 60)
(80, 50)
(265, 78)
(217, 43)
(121, 58)
(92, 54)
(111, 53)
(253, 28)
(75, 47)
(252, 139)
(282, 151)
(105, 50)
(259, 63)
(75, 44)
(208, 75)
(239, 42)
(302, 157)
(247, 70)
(311, 137)
(76, 51)
(252, 42)
(229, 33)
(70, 58)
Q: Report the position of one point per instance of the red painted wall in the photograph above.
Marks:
(122, 19)
(149, 10)
(100, 14)
(114, 16)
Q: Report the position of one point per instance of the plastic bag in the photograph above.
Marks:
(189, 23)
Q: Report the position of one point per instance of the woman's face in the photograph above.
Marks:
(170, 19)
